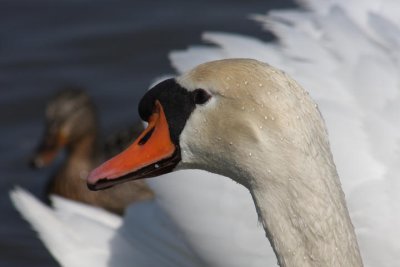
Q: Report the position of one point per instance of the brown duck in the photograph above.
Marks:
(71, 125)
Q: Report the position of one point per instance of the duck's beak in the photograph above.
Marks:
(48, 149)
(153, 153)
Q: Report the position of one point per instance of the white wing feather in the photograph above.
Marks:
(78, 235)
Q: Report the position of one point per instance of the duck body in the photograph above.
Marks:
(71, 124)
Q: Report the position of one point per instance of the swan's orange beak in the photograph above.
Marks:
(153, 153)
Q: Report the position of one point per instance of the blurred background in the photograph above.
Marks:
(113, 49)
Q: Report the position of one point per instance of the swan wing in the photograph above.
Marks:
(60, 235)
(77, 234)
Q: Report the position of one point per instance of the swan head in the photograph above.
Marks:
(219, 117)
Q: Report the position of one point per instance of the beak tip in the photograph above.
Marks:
(98, 179)
(32, 164)
(91, 187)
(92, 180)
(93, 177)
(36, 163)
(98, 185)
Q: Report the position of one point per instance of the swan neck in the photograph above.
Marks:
(306, 219)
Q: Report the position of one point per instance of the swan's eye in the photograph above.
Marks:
(200, 96)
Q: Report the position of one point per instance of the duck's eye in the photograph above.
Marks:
(200, 96)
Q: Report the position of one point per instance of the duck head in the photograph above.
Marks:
(217, 117)
(70, 115)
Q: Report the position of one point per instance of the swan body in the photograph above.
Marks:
(316, 48)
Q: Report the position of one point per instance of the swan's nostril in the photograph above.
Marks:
(146, 137)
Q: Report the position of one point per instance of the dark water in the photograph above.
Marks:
(112, 48)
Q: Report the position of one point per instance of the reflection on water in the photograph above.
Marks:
(112, 48)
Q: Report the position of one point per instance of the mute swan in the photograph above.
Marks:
(71, 124)
(356, 90)
(214, 118)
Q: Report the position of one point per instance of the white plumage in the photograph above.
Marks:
(346, 55)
